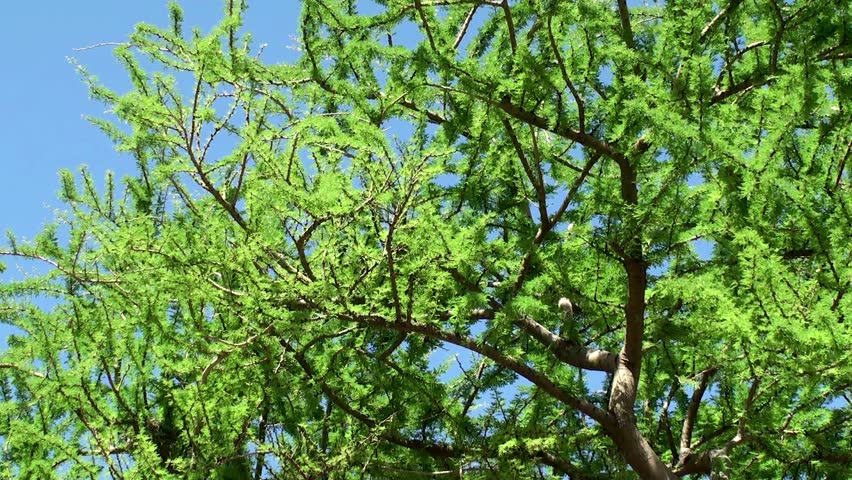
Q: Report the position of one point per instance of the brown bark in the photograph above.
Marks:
(623, 429)
(637, 451)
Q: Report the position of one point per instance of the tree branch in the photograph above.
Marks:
(568, 351)
(435, 450)
(692, 411)
(510, 25)
(517, 366)
(582, 138)
(21, 369)
(581, 107)
(465, 26)
(535, 180)
(419, 7)
(708, 29)
(702, 463)
(626, 29)
(743, 86)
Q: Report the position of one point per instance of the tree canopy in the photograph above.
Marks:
(634, 219)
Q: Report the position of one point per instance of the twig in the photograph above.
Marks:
(581, 108)
(16, 367)
(102, 44)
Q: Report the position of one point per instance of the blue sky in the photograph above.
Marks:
(44, 100)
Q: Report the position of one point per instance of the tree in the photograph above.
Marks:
(263, 297)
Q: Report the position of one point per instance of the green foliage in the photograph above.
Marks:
(677, 170)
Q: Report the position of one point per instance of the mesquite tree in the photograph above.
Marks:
(630, 221)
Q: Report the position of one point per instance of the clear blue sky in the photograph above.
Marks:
(42, 129)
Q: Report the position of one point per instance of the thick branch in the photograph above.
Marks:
(740, 87)
(637, 451)
(692, 410)
(626, 29)
(563, 349)
(708, 29)
(570, 352)
(566, 467)
(695, 464)
(510, 25)
(627, 374)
